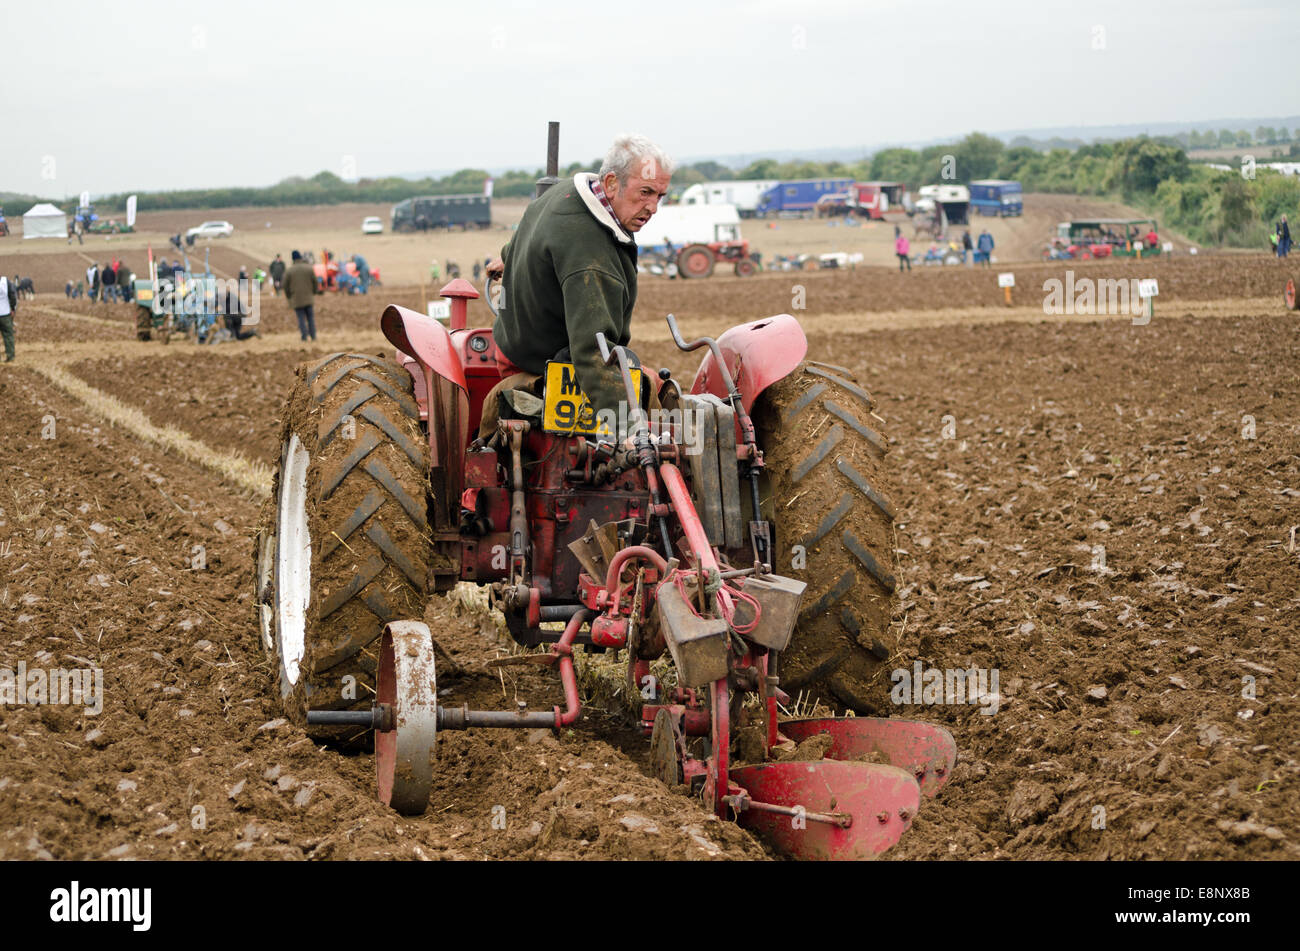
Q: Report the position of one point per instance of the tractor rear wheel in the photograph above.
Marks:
(695, 260)
(825, 460)
(343, 546)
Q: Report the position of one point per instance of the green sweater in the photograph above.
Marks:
(570, 272)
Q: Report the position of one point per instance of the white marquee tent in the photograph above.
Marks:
(45, 221)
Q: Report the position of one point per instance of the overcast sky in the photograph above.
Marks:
(156, 95)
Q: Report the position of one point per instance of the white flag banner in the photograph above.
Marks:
(85, 200)
(130, 212)
(487, 188)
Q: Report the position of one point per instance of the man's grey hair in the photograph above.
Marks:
(635, 154)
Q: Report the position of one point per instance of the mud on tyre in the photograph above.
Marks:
(342, 546)
(825, 458)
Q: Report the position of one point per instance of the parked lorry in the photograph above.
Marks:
(996, 196)
(443, 211)
(799, 197)
(744, 195)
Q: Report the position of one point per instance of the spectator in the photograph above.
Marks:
(903, 248)
(277, 274)
(299, 289)
(80, 289)
(435, 273)
(1283, 238)
(8, 306)
(108, 281)
(92, 281)
(1151, 240)
(966, 247)
(125, 284)
(363, 272)
(478, 271)
(67, 290)
(234, 311)
(73, 232)
(985, 248)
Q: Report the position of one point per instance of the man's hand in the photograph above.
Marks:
(496, 267)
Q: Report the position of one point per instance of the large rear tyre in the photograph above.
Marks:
(695, 260)
(834, 530)
(343, 543)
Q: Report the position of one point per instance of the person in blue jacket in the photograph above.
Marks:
(984, 248)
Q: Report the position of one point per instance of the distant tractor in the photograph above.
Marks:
(1105, 237)
(696, 238)
(699, 260)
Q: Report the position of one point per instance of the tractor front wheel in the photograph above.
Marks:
(746, 267)
(342, 547)
(825, 460)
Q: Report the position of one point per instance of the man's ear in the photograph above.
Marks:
(610, 183)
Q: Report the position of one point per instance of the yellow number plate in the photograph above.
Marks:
(567, 411)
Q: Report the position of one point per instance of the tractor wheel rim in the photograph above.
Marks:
(293, 559)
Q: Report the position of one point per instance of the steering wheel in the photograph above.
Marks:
(487, 294)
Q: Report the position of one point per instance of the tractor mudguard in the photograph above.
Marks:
(442, 394)
(425, 340)
(757, 354)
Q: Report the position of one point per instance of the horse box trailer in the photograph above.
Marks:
(877, 199)
(995, 196)
(801, 196)
(744, 195)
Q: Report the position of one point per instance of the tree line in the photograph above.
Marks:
(1151, 173)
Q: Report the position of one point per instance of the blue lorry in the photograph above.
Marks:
(995, 196)
(799, 197)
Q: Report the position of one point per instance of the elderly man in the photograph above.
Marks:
(570, 272)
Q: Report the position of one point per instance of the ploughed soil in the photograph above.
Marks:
(119, 558)
(1099, 512)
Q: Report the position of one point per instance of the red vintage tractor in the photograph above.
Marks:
(659, 534)
(698, 260)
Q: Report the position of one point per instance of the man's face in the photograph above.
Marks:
(636, 201)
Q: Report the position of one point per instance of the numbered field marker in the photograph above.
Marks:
(1006, 281)
(1148, 291)
(440, 310)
